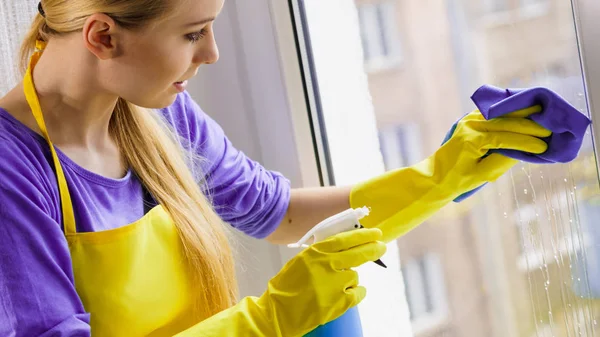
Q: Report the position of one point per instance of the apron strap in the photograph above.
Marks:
(68, 215)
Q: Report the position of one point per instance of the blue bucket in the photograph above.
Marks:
(347, 325)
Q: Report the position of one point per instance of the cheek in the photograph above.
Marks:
(157, 62)
(156, 67)
(163, 68)
(145, 75)
(143, 71)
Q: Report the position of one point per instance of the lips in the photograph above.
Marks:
(180, 86)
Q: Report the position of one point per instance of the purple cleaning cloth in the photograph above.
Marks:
(567, 124)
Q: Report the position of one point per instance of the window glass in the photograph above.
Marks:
(521, 257)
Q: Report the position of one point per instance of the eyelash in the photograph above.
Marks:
(195, 37)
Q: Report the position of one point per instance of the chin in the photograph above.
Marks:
(158, 101)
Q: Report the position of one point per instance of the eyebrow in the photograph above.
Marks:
(201, 22)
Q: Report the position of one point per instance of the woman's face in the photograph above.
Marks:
(152, 65)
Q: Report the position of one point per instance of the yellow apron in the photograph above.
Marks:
(132, 280)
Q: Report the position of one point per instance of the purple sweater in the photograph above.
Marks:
(37, 294)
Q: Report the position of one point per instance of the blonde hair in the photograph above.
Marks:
(155, 154)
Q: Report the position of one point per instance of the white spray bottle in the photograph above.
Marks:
(342, 222)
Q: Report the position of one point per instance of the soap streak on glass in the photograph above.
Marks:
(558, 253)
(554, 243)
(571, 195)
(560, 233)
(542, 247)
(522, 233)
(574, 263)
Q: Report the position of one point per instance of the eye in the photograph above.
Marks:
(195, 37)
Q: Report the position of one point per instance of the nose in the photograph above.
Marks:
(208, 53)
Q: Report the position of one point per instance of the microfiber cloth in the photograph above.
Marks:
(567, 124)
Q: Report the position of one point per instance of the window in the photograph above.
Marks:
(379, 35)
(523, 250)
(400, 145)
(425, 292)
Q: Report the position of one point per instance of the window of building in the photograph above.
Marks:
(400, 145)
(379, 33)
(425, 291)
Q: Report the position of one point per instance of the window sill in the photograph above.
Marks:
(428, 323)
(382, 65)
(533, 11)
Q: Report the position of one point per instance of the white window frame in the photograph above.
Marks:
(587, 13)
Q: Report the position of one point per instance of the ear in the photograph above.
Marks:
(100, 36)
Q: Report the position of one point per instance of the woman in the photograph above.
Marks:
(104, 226)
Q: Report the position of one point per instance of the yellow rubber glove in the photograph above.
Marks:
(404, 198)
(313, 288)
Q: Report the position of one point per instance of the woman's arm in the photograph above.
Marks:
(249, 197)
(402, 199)
(308, 207)
(37, 290)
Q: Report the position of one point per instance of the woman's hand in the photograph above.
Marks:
(404, 198)
(315, 287)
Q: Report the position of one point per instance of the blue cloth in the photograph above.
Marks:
(567, 124)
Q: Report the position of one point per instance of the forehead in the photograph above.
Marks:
(189, 11)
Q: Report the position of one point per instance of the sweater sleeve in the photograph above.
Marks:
(244, 193)
(37, 291)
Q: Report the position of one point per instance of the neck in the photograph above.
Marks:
(76, 110)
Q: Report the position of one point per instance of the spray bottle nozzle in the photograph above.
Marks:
(342, 222)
